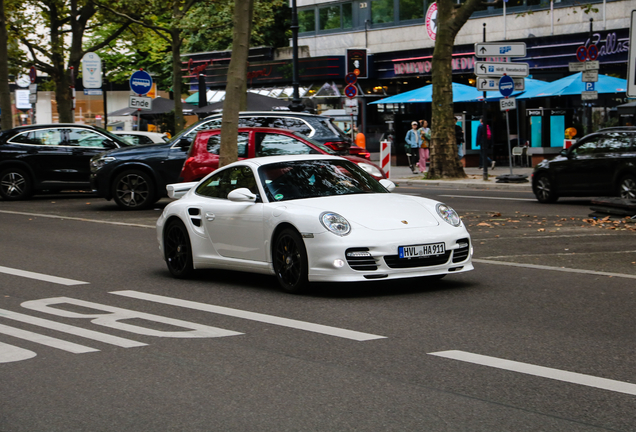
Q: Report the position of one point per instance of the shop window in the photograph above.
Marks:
(381, 11)
(306, 20)
(411, 9)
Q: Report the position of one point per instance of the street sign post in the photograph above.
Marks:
(507, 104)
(511, 49)
(140, 82)
(91, 71)
(487, 84)
(500, 69)
(589, 76)
(350, 91)
(140, 102)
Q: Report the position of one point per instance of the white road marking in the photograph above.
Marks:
(10, 353)
(268, 319)
(45, 340)
(540, 371)
(65, 328)
(41, 276)
(490, 198)
(561, 269)
(77, 219)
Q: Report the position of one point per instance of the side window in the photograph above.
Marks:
(221, 184)
(587, 148)
(47, 137)
(85, 138)
(212, 124)
(299, 126)
(276, 144)
(214, 144)
(255, 122)
(615, 142)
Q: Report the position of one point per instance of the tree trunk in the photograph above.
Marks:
(444, 162)
(5, 93)
(179, 121)
(236, 81)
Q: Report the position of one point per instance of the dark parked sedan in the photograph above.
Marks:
(50, 157)
(600, 164)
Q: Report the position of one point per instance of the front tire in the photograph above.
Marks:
(627, 187)
(134, 190)
(290, 261)
(544, 190)
(15, 184)
(177, 249)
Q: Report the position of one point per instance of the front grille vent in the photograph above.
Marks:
(461, 253)
(360, 259)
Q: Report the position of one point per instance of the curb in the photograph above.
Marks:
(466, 184)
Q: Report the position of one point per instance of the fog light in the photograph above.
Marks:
(338, 263)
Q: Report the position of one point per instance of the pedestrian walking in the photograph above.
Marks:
(413, 143)
(459, 138)
(425, 135)
(484, 140)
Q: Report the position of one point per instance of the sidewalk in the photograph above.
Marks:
(403, 175)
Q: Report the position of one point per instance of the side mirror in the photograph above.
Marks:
(109, 144)
(388, 184)
(241, 195)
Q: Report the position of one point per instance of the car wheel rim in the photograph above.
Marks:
(288, 261)
(13, 184)
(628, 189)
(132, 190)
(543, 188)
(177, 249)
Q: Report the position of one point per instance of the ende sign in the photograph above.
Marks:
(139, 102)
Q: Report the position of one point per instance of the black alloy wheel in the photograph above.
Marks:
(15, 184)
(177, 249)
(134, 190)
(290, 261)
(544, 190)
(627, 187)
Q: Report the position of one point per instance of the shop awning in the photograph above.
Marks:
(461, 93)
(572, 85)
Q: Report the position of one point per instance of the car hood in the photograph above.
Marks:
(379, 212)
(139, 150)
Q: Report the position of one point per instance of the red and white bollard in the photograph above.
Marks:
(385, 157)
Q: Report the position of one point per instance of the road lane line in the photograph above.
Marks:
(41, 276)
(45, 340)
(561, 269)
(268, 319)
(491, 198)
(540, 371)
(65, 328)
(77, 219)
(10, 353)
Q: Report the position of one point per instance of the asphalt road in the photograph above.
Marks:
(99, 337)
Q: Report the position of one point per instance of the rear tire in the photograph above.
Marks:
(544, 190)
(177, 249)
(290, 261)
(134, 190)
(627, 187)
(15, 184)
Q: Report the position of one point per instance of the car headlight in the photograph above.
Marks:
(99, 161)
(448, 214)
(371, 169)
(335, 223)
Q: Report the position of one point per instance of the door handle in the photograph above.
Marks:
(210, 216)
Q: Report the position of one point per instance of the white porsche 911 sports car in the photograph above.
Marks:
(309, 218)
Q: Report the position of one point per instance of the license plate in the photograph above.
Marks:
(418, 251)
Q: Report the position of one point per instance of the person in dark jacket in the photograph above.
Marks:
(484, 142)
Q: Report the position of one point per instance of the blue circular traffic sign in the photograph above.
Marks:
(140, 82)
(581, 53)
(350, 91)
(506, 85)
(592, 52)
(351, 78)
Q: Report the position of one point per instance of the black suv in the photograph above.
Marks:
(50, 157)
(136, 177)
(600, 164)
(318, 128)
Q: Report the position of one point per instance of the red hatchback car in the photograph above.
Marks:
(203, 156)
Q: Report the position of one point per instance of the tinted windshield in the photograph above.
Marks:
(316, 178)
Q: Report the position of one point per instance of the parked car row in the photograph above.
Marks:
(58, 157)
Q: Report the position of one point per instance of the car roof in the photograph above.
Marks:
(618, 129)
(273, 114)
(139, 133)
(49, 125)
(266, 160)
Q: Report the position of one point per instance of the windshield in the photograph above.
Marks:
(315, 178)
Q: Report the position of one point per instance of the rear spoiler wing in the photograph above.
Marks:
(177, 190)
